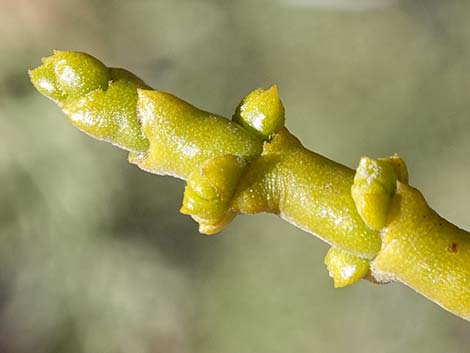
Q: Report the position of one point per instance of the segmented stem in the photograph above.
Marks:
(379, 227)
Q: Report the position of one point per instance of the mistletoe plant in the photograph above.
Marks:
(379, 227)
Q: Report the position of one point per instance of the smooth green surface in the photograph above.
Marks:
(226, 176)
(309, 191)
(419, 248)
(369, 217)
(370, 82)
(426, 252)
(182, 137)
(278, 176)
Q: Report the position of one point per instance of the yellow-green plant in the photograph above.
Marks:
(378, 226)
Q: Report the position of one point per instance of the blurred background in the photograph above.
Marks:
(96, 258)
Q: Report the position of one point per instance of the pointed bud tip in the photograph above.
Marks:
(273, 89)
(262, 112)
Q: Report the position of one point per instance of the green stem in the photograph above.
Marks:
(309, 191)
(380, 228)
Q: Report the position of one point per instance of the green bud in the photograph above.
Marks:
(78, 73)
(344, 268)
(69, 74)
(98, 100)
(209, 191)
(45, 81)
(373, 189)
(399, 166)
(261, 112)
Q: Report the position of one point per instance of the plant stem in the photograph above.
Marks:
(379, 227)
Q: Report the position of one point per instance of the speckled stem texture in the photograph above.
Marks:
(378, 226)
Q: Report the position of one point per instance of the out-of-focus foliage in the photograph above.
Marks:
(94, 256)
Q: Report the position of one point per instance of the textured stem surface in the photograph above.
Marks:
(379, 227)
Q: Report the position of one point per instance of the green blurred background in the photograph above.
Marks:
(94, 255)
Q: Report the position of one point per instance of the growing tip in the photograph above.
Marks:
(69, 74)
